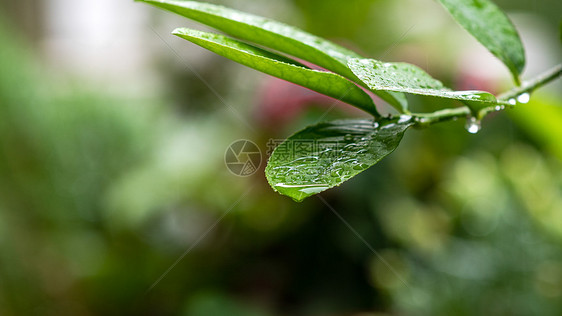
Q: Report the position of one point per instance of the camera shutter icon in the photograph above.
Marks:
(243, 158)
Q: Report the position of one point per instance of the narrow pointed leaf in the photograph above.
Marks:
(275, 35)
(264, 32)
(325, 155)
(403, 77)
(492, 28)
(326, 83)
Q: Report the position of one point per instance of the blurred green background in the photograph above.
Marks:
(112, 138)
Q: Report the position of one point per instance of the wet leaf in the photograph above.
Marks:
(324, 82)
(403, 77)
(325, 155)
(266, 32)
(491, 27)
(275, 35)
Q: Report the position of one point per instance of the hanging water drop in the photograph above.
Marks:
(524, 98)
(473, 125)
(512, 101)
(499, 107)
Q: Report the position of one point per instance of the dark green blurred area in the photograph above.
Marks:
(120, 203)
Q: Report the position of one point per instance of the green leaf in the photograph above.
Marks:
(403, 77)
(327, 83)
(275, 35)
(325, 155)
(266, 32)
(491, 27)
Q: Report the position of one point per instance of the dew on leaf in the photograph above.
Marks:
(359, 146)
(335, 174)
(357, 167)
(348, 138)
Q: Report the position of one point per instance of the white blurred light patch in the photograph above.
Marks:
(99, 39)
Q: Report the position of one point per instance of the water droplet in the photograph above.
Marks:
(499, 107)
(524, 98)
(473, 125)
(308, 189)
(358, 167)
(404, 118)
(472, 95)
(512, 101)
(485, 96)
(375, 125)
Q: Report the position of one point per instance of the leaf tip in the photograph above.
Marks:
(177, 31)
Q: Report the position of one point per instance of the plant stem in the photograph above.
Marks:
(427, 119)
(533, 84)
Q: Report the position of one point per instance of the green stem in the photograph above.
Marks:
(533, 84)
(427, 119)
